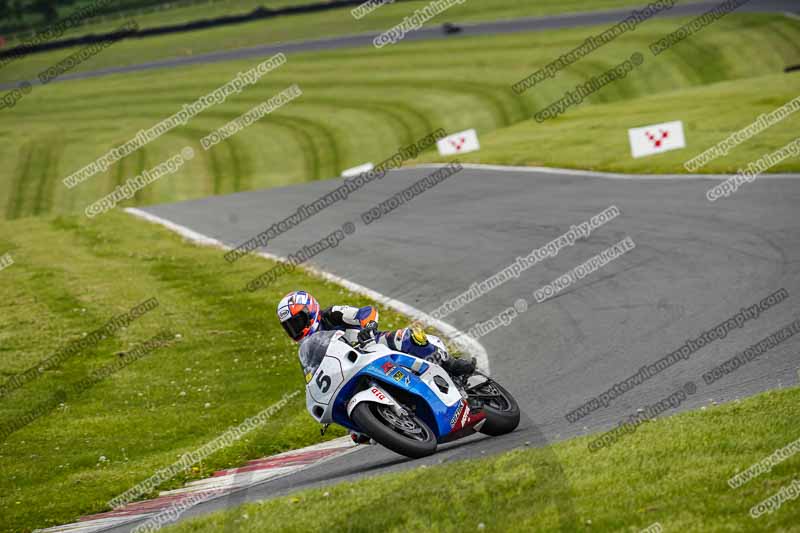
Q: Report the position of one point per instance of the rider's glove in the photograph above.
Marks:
(368, 332)
(439, 356)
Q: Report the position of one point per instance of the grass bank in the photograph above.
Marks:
(227, 360)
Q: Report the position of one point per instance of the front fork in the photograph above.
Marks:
(375, 393)
(396, 406)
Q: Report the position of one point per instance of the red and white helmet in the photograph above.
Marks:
(299, 314)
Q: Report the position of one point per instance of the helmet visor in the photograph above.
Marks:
(296, 325)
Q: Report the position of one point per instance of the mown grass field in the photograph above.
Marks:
(595, 137)
(673, 471)
(285, 28)
(231, 361)
(376, 105)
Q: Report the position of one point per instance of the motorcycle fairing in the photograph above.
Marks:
(437, 408)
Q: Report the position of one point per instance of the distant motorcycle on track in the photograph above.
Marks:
(404, 403)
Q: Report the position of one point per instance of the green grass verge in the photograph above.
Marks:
(69, 277)
(282, 29)
(673, 471)
(363, 104)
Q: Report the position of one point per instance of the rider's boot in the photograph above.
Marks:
(459, 367)
(360, 438)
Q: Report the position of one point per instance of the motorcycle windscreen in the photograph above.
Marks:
(313, 350)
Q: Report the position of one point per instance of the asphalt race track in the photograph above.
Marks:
(435, 32)
(695, 264)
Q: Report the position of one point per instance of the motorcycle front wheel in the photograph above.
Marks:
(406, 435)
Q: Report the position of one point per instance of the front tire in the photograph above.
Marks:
(502, 411)
(407, 435)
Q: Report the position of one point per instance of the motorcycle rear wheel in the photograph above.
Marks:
(407, 435)
(502, 411)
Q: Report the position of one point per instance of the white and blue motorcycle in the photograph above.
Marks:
(405, 403)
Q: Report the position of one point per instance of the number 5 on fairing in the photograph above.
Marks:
(329, 378)
(323, 382)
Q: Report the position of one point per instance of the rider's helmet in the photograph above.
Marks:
(299, 314)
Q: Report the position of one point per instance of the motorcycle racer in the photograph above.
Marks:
(301, 316)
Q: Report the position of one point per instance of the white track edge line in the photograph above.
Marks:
(598, 174)
(470, 345)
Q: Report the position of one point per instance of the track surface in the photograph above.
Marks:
(695, 265)
(485, 28)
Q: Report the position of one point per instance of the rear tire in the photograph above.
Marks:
(374, 419)
(502, 412)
